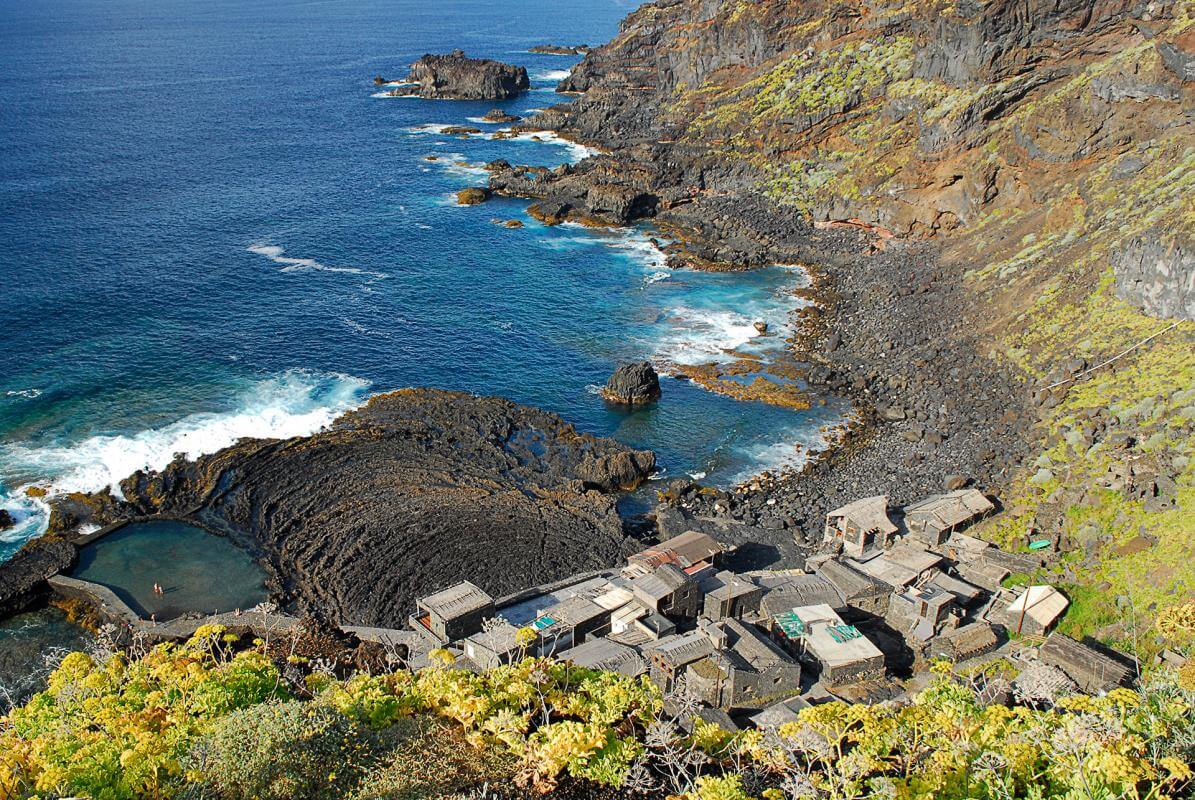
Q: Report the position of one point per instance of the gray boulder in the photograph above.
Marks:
(633, 385)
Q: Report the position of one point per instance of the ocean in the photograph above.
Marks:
(212, 226)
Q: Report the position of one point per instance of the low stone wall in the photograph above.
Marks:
(115, 610)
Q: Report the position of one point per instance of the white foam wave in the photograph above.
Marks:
(393, 96)
(553, 75)
(275, 254)
(577, 152)
(27, 394)
(295, 403)
(702, 336)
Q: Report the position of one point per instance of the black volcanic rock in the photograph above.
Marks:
(560, 50)
(633, 385)
(6, 520)
(23, 577)
(417, 490)
(456, 77)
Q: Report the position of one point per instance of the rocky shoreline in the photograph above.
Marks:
(397, 498)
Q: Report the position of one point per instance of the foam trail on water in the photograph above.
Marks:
(274, 253)
(295, 403)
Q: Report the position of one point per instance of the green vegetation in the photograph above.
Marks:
(215, 718)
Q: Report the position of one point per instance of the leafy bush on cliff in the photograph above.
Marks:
(280, 751)
(199, 718)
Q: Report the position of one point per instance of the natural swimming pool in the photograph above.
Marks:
(196, 570)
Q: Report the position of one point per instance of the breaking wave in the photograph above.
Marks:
(295, 403)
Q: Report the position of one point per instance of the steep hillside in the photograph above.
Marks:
(1037, 159)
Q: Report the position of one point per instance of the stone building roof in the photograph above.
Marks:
(949, 510)
(606, 655)
(653, 588)
(1091, 669)
(850, 582)
(868, 514)
(463, 598)
(800, 590)
(681, 649)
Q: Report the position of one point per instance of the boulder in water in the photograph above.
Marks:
(498, 115)
(633, 385)
(472, 196)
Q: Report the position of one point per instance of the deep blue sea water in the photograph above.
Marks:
(211, 228)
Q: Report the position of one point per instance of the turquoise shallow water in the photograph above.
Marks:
(210, 228)
(195, 570)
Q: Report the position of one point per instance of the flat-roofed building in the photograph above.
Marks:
(453, 613)
(899, 567)
(860, 526)
(842, 652)
(569, 623)
(921, 614)
(933, 520)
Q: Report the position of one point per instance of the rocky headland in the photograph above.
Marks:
(457, 77)
(415, 490)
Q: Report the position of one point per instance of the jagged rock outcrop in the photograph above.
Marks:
(23, 577)
(415, 490)
(1156, 272)
(457, 77)
(6, 520)
(633, 385)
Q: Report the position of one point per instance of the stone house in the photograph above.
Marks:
(857, 590)
(842, 653)
(668, 590)
(669, 656)
(921, 614)
(745, 670)
(933, 520)
(860, 526)
(728, 595)
(453, 613)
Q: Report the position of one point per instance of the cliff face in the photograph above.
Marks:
(414, 491)
(1042, 148)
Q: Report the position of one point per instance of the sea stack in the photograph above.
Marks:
(457, 77)
(633, 385)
